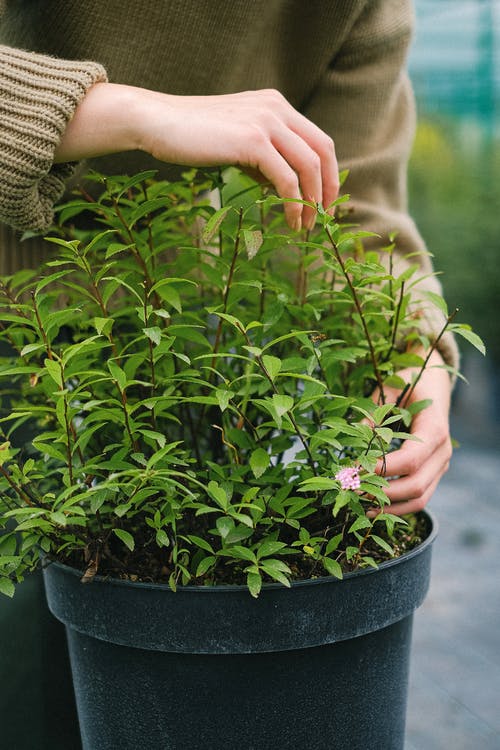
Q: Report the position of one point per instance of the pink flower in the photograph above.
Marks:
(349, 478)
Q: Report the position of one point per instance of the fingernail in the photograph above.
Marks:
(297, 224)
(309, 225)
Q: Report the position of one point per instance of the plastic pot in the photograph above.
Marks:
(323, 664)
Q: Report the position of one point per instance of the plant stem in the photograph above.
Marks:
(396, 321)
(67, 424)
(292, 419)
(225, 298)
(355, 297)
(151, 357)
(40, 326)
(22, 494)
(123, 396)
(407, 392)
(302, 275)
(135, 250)
(98, 298)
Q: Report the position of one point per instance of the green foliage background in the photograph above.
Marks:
(454, 188)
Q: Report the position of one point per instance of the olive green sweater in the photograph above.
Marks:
(340, 62)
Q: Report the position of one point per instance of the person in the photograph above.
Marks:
(281, 87)
(286, 88)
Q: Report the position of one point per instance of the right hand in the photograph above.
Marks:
(259, 130)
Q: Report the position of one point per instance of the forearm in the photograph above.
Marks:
(254, 129)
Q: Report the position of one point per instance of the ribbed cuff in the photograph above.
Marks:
(38, 97)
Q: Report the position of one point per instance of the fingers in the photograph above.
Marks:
(324, 146)
(418, 473)
(311, 154)
(256, 129)
(413, 505)
(297, 174)
(415, 469)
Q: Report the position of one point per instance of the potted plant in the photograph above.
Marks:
(197, 386)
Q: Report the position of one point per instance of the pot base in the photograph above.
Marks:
(348, 696)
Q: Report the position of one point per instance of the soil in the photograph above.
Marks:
(148, 563)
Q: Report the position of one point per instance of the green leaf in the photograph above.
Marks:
(242, 553)
(217, 493)
(318, 484)
(282, 403)
(162, 539)
(224, 526)
(122, 509)
(116, 247)
(238, 534)
(30, 348)
(7, 587)
(254, 583)
(117, 374)
(153, 333)
(59, 518)
(382, 543)
(343, 498)
(136, 179)
(253, 241)
(242, 518)
(333, 544)
(231, 319)
(255, 350)
(148, 207)
(54, 370)
(205, 565)
(362, 522)
(223, 397)
(380, 413)
(438, 301)
(202, 543)
(5, 453)
(8, 545)
(269, 547)
(385, 433)
(272, 365)
(276, 569)
(259, 461)
(126, 538)
(169, 294)
(470, 336)
(103, 326)
(213, 224)
(332, 567)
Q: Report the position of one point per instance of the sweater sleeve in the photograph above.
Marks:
(365, 102)
(38, 96)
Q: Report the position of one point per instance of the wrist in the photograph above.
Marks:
(106, 121)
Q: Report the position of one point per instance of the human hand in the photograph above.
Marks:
(259, 130)
(419, 466)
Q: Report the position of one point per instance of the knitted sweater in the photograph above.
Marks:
(340, 62)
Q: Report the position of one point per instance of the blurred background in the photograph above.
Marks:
(454, 183)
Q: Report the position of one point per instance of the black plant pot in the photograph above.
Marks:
(321, 665)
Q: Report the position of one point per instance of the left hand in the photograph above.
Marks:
(419, 465)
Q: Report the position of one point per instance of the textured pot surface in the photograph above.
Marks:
(226, 619)
(343, 696)
(321, 665)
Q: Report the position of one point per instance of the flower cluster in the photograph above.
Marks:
(349, 478)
